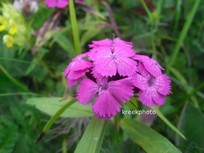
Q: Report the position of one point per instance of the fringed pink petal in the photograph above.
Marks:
(163, 84)
(106, 106)
(86, 91)
(122, 89)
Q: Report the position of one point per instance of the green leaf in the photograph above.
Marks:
(159, 113)
(52, 105)
(57, 115)
(191, 123)
(147, 138)
(92, 138)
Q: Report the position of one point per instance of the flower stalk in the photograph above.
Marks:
(75, 29)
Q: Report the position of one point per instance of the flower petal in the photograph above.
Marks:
(123, 48)
(150, 64)
(106, 106)
(122, 89)
(105, 42)
(162, 84)
(99, 52)
(81, 65)
(62, 3)
(153, 67)
(105, 67)
(50, 3)
(126, 66)
(146, 97)
(71, 83)
(77, 68)
(158, 98)
(86, 91)
(140, 82)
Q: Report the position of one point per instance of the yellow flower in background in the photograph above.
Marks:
(8, 40)
(12, 27)
(13, 23)
(3, 24)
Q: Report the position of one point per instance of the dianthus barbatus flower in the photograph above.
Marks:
(152, 90)
(107, 95)
(77, 69)
(113, 56)
(109, 73)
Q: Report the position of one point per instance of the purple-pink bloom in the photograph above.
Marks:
(109, 73)
(58, 3)
(152, 90)
(112, 56)
(77, 69)
(107, 95)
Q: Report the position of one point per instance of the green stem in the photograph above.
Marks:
(12, 79)
(183, 34)
(64, 146)
(57, 115)
(152, 28)
(159, 8)
(153, 43)
(74, 25)
(177, 15)
(15, 94)
(146, 9)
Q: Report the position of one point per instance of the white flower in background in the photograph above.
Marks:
(26, 6)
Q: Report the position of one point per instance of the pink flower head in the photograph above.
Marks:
(108, 74)
(150, 64)
(107, 94)
(152, 90)
(77, 69)
(112, 56)
(59, 3)
(56, 3)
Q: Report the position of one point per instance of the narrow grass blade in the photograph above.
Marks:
(92, 138)
(12, 79)
(147, 138)
(54, 118)
(159, 113)
(183, 34)
(75, 30)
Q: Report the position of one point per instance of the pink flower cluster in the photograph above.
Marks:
(59, 3)
(111, 73)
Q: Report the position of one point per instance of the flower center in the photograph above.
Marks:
(102, 85)
(151, 81)
(114, 56)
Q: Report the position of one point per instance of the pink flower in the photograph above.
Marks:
(59, 3)
(107, 95)
(152, 90)
(77, 69)
(56, 3)
(108, 74)
(112, 56)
